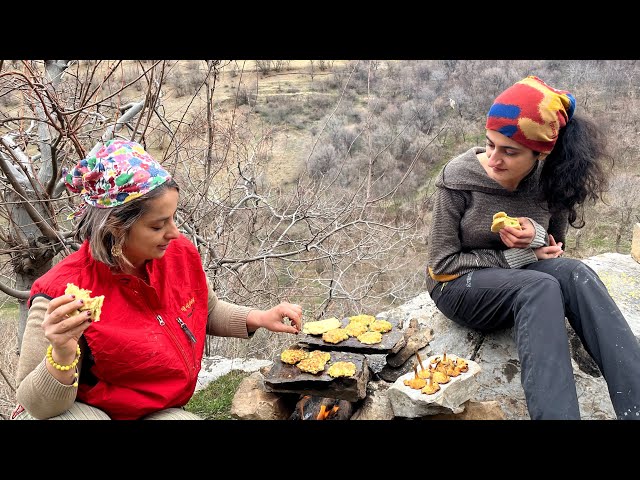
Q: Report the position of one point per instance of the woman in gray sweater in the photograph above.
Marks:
(540, 164)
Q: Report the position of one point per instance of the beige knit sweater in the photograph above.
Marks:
(44, 397)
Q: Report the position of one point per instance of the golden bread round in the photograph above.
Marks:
(366, 319)
(356, 328)
(312, 364)
(324, 355)
(369, 338)
(336, 335)
(382, 326)
(321, 326)
(342, 369)
(293, 355)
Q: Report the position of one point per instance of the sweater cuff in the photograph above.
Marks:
(540, 239)
(238, 322)
(519, 257)
(49, 387)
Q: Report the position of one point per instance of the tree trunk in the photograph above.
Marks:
(36, 256)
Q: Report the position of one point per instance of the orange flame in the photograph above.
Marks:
(324, 414)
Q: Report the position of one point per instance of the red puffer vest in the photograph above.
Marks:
(146, 351)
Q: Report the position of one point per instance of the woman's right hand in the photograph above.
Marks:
(64, 330)
(552, 251)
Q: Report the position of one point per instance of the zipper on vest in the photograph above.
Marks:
(190, 366)
(186, 330)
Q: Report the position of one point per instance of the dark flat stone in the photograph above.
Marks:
(392, 341)
(285, 378)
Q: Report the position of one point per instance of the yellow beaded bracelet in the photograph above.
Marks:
(65, 368)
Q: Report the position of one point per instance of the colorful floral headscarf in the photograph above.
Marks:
(118, 173)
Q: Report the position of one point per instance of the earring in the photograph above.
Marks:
(116, 250)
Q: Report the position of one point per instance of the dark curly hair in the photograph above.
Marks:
(572, 172)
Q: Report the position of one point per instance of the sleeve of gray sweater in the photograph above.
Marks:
(447, 261)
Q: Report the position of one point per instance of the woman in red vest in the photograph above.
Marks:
(139, 355)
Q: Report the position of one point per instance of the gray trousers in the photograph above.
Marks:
(535, 300)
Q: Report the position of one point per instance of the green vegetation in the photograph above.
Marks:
(9, 308)
(214, 401)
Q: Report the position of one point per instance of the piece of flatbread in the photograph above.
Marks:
(370, 338)
(321, 326)
(379, 325)
(365, 319)
(312, 364)
(336, 335)
(293, 355)
(342, 369)
(90, 303)
(501, 220)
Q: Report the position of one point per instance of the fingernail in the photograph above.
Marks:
(72, 297)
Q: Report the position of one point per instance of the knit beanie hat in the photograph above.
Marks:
(531, 113)
(118, 173)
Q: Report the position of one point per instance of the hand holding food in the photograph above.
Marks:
(66, 318)
(93, 304)
(501, 220)
(521, 233)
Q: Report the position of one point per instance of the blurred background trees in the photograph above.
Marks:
(304, 180)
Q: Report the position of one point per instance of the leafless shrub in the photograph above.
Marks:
(345, 235)
(264, 66)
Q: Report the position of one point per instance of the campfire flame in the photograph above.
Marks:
(325, 414)
(311, 407)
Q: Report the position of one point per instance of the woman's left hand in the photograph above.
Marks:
(274, 318)
(514, 238)
(554, 250)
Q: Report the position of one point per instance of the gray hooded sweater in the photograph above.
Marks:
(466, 198)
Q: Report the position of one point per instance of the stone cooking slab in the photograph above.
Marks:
(392, 341)
(285, 378)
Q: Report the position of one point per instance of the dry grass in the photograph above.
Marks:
(8, 362)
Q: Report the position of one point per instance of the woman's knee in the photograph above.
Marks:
(543, 287)
(172, 414)
(78, 411)
(540, 280)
